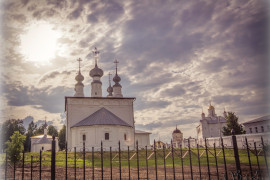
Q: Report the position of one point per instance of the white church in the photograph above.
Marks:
(107, 119)
(210, 125)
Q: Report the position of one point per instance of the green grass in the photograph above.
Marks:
(61, 158)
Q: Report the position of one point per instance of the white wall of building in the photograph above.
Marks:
(80, 108)
(95, 134)
(143, 139)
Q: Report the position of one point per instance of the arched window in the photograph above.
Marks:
(107, 136)
(125, 136)
(84, 137)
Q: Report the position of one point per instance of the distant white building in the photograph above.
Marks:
(177, 138)
(210, 126)
(96, 119)
(258, 125)
(43, 142)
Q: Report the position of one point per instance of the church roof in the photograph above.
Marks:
(141, 132)
(102, 117)
(43, 140)
(264, 118)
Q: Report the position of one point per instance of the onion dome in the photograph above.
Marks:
(176, 130)
(211, 107)
(79, 77)
(116, 79)
(96, 72)
(110, 90)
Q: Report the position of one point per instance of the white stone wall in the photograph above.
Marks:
(38, 147)
(95, 134)
(258, 125)
(251, 138)
(143, 139)
(80, 108)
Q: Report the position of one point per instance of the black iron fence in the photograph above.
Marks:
(193, 162)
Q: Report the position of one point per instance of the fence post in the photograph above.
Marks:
(31, 167)
(256, 153)
(93, 164)
(264, 154)
(138, 166)
(23, 166)
(206, 150)
(249, 162)
(190, 161)
(155, 159)
(173, 159)
(146, 159)
(119, 151)
(40, 159)
(53, 159)
(182, 163)
(75, 163)
(236, 155)
(101, 159)
(6, 166)
(164, 160)
(66, 158)
(111, 162)
(84, 159)
(199, 161)
(224, 158)
(128, 164)
(216, 160)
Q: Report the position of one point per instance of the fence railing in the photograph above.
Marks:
(193, 162)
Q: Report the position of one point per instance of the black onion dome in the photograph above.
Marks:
(96, 72)
(176, 131)
(79, 77)
(116, 78)
(109, 89)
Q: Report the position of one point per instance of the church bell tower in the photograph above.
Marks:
(96, 73)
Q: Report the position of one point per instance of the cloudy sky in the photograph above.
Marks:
(175, 57)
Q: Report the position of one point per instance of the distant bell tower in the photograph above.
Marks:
(96, 73)
(79, 85)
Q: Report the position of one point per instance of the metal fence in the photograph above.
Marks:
(193, 162)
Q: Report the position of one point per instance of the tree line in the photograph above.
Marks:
(9, 127)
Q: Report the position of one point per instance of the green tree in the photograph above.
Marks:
(15, 146)
(30, 132)
(62, 138)
(52, 131)
(8, 128)
(39, 130)
(232, 123)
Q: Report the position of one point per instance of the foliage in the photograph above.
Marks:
(52, 131)
(39, 130)
(62, 138)
(232, 123)
(8, 128)
(30, 132)
(15, 146)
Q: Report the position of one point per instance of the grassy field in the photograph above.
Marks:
(61, 156)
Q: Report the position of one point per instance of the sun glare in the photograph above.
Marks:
(39, 43)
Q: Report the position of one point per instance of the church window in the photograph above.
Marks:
(250, 130)
(256, 129)
(84, 137)
(95, 93)
(107, 136)
(262, 128)
(125, 136)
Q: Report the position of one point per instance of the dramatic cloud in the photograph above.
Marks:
(175, 58)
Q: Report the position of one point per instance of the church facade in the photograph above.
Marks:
(95, 119)
(210, 125)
